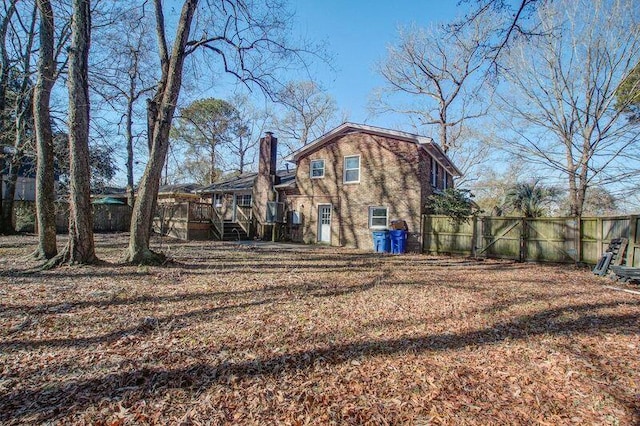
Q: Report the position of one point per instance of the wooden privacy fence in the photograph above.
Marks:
(106, 217)
(549, 239)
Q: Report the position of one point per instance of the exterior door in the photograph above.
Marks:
(234, 215)
(324, 223)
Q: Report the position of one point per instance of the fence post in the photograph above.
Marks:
(578, 239)
(598, 238)
(524, 239)
(474, 236)
(479, 243)
(633, 240)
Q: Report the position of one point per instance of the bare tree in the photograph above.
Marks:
(45, 191)
(6, 65)
(515, 24)
(23, 34)
(247, 38)
(80, 248)
(250, 126)
(310, 112)
(124, 75)
(5, 76)
(561, 99)
(439, 71)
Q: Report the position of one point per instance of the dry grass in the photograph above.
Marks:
(242, 335)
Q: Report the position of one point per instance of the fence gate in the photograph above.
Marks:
(499, 237)
(551, 240)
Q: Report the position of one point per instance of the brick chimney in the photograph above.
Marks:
(268, 154)
(263, 190)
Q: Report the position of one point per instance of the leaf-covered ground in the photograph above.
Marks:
(240, 334)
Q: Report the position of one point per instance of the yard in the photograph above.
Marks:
(242, 334)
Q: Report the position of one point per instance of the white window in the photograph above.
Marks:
(352, 169)
(434, 172)
(217, 200)
(317, 169)
(244, 200)
(378, 217)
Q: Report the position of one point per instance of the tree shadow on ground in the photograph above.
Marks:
(51, 400)
(268, 294)
(314, 288)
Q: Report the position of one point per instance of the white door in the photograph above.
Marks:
(324, 223)
(234, 216)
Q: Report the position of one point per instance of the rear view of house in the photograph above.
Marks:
(358, 178)
(352, 181)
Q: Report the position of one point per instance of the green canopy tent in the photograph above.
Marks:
(108, 200)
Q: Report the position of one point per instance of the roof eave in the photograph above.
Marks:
(454, 170)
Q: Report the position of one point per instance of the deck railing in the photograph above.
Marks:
(217, 223)
(244, 217)
(200, 212)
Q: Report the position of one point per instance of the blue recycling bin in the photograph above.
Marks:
(381, 242)
(398, 239)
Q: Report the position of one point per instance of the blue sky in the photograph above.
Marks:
(357, 33)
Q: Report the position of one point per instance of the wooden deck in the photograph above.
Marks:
(200, 221)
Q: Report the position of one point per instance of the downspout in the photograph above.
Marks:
(340, 243)
(277, 198)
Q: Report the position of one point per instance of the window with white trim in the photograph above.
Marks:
(317, 169)
(378, 217)
(217, 200)
(243, 200)
(352, 169)
(434, 172)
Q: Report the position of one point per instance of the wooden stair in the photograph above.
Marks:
(234, 232)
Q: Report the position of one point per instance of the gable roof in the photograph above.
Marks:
(345, 128)
(245, 181)
(180, 188)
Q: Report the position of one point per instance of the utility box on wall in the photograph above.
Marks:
(295, 217)
(275, 212)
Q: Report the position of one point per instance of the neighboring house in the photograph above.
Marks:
(26, 177)
(353, 180)
(176, 193)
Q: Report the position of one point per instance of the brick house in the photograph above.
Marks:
(358, 178)
(353, 180)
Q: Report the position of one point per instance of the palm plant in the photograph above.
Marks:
(530, 198)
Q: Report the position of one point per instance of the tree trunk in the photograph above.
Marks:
(45, 191)
(444, 142)
(23, 110)
(23, 114)
(160, 113)
(6, 222)
(212, 173)
(80, 249)
(5, 69)
(129, 136)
